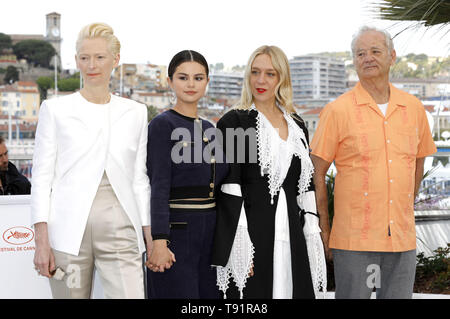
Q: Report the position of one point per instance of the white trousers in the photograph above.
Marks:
(110, 245)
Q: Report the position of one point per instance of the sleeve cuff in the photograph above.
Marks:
(160, 236)
(232, 189)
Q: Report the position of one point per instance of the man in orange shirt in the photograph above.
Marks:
(378, 137)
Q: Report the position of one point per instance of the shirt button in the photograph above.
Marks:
(213, 160)
(391, 181)
(211, 185)
(184, 144)
(390, 161)
(365, 194)
(205, 139)
(391, 201)
(211, 194)
(388, 141)
(391, 221)
(385, 122)
(409, 195)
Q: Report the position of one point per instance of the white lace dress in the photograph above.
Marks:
(274, 158)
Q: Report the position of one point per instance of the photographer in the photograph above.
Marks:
(11, 181)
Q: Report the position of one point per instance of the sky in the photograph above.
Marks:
(152, 31)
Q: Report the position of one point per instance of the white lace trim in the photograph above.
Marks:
(270, 161)
(316, 252)
(239, 263)
(302, 152)
(317, 264)
(242, 251)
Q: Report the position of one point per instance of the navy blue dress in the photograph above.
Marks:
(185, 166)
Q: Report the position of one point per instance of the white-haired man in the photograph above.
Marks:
(378, 137)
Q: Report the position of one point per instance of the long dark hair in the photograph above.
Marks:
(186, 56)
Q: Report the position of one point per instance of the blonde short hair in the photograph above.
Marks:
(283, 91)
(99, 30)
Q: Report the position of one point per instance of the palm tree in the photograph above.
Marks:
(427, 13)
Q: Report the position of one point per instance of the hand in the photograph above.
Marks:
(146, 230)
(251, 273)
(325, 240)
(161, 257)
(44, 260)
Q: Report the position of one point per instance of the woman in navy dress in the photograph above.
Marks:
(185, 167)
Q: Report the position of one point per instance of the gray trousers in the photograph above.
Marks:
(357, 273)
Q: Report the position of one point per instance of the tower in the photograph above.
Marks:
(53, 34)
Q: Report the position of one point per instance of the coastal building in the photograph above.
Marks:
(160, 100)
(130, 77)
(225, 86)
(311, 118)
(423, 88)
(22, 99)
(317, 79)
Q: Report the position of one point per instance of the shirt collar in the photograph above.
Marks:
(363, 97)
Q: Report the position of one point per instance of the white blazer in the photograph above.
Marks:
(76, 142)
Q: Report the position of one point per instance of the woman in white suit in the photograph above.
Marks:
(90, 194)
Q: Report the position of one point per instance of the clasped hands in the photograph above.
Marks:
(161, 257)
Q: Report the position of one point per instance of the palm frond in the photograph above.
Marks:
(424, 12)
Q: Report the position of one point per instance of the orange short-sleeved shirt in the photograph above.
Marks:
(375, 157)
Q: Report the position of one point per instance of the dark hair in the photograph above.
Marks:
(186, 56)
(2, 140)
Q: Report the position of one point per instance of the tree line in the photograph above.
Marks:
(35, 52)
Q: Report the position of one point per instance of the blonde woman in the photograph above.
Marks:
(267, 235)
(90, 194)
